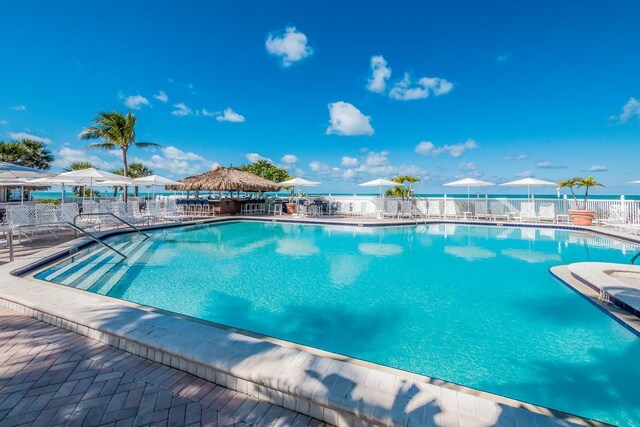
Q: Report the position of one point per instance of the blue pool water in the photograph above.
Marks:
(471, 305)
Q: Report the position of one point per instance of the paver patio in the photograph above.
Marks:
(51, 376)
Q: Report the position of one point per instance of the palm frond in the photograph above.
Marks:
(146, 144)
(103, 146)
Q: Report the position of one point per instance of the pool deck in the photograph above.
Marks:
(51, 376)
(328, 387)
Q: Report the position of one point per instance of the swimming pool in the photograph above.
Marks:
(473, 305)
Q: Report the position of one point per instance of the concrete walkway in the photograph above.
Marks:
(51, 376)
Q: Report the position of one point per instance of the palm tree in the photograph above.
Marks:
(401, 190)
(587, 183)
(570, 184)
(26, 152)
(136, 170)
(81, 190)
(118, 132)
(579, 182)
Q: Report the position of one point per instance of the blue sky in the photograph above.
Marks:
(336, 92)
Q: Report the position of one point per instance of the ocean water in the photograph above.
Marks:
(472, 305)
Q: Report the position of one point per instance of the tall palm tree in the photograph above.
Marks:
(118, 131)
(76, 166)
(135, 170)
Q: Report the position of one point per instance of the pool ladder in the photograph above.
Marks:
(635, 257)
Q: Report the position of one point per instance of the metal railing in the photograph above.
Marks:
(57, 224)
(76, 228)
(127, 223)
(635, 257)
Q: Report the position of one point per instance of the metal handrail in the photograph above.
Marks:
(57, 224)
(116, 217)
(635, 257)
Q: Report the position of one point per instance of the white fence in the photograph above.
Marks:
(614, 210)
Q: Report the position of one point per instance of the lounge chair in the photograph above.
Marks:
(451, 209)
(497, 211)
(547, 212)
(618, 215)
(528, 212)
(419, 209)
(433, 209)
(481, 210)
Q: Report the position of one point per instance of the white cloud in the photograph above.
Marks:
(375, 163)
(317, 166)
(467, 166)
(549, 165)
(254, 157)
(290, 46)
(406, 89)
(349, 174)
(289, 159)
(135, 102)
(161, 96)
(598, 168)
(630, 110)
(66, 155)
(346, 120)
(516, 157)
(349, 162)
(178, 162)
(207, 113)
(525, 174)
(25, 135)
(228, 115)
(380, 72)
(181, 110)
(19, 107)
(427, 148)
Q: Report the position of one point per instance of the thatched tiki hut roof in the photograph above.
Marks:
(223, 179)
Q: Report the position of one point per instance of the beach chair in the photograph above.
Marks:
(22, 217)
(528, 212)
(617, 216)
(498, 211)
(68, 212)
(481, 210)
(392, 209)
(369, 209)
(451, 209)
(433, 209)
(547, 212)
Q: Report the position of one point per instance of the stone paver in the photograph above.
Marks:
(51, 376)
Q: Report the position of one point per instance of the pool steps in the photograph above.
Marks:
(101, 269)
(105, 287)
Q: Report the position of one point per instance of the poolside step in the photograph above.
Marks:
(110, 263)
(103, 287)
(75, 263)
(105, 255)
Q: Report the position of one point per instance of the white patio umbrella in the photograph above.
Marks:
(11, 171)
(298, 182)
(153, 180)
(62, 181)
(530, 182)
(16, 182)
(469, 182)
(93, 175)
(380, 182)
